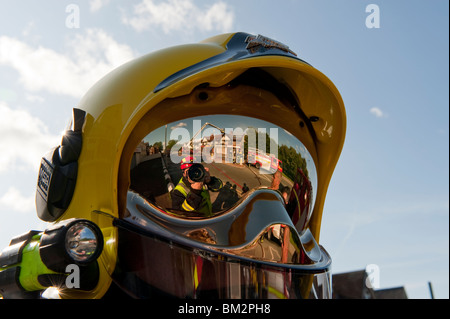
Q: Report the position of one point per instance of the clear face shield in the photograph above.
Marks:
(218, 207)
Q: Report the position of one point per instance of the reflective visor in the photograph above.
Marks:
(218, 206)
(151, 265)
(205, 166)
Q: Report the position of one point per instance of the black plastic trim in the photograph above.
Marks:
(13, 253)
(237, 49)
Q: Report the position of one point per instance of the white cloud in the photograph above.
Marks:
(377, 112)
(179, 125)
(29, 28)
(180, 16)
(89, 57)
(24, 139)
(218, 17)
(14, 200)
(95, 5)
(34, 98)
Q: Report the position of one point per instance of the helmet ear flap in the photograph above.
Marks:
(55, 186)
(58, 172)
(70, 148)
(71, 141)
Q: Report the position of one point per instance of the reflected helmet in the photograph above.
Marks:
(186, 162)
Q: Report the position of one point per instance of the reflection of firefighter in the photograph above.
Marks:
(191, 193)
(300, 198)
(227, 197)
(276, 185)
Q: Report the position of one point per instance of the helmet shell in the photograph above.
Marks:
(117, 102)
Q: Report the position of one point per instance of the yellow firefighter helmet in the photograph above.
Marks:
(235, 80)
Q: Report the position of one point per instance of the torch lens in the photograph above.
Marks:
(82, 242)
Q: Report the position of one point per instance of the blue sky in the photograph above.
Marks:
(388, 201)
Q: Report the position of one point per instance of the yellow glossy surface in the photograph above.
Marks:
(122, 98)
